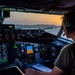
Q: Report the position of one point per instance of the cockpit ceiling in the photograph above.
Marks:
(40, 6)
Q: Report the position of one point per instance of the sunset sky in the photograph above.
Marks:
(32, 19)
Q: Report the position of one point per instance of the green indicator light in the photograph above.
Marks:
(2, 60)
(15, 46)
(6, 60)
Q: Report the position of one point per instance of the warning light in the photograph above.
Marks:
(15, 46)
(10, 27)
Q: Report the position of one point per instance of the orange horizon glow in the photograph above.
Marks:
(33, 18)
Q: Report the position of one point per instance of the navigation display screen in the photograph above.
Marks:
(29, 49)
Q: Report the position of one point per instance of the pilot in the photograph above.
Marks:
(65, 62)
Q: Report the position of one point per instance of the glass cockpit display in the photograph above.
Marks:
(29, 49)
(3, 53)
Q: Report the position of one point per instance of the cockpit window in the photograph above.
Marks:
(64, 36)
(23, 18)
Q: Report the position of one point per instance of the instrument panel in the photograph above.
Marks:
(27, 51)
(11, 33)
(25, 47)
(3, 53)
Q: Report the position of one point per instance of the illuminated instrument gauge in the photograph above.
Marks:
(22, 50)
(22, 45)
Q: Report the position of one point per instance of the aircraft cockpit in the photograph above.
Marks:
(35, 43)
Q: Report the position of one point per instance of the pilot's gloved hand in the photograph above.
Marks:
(30, 71)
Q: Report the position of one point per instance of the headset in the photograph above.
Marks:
(70, 22)
(69, 27)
